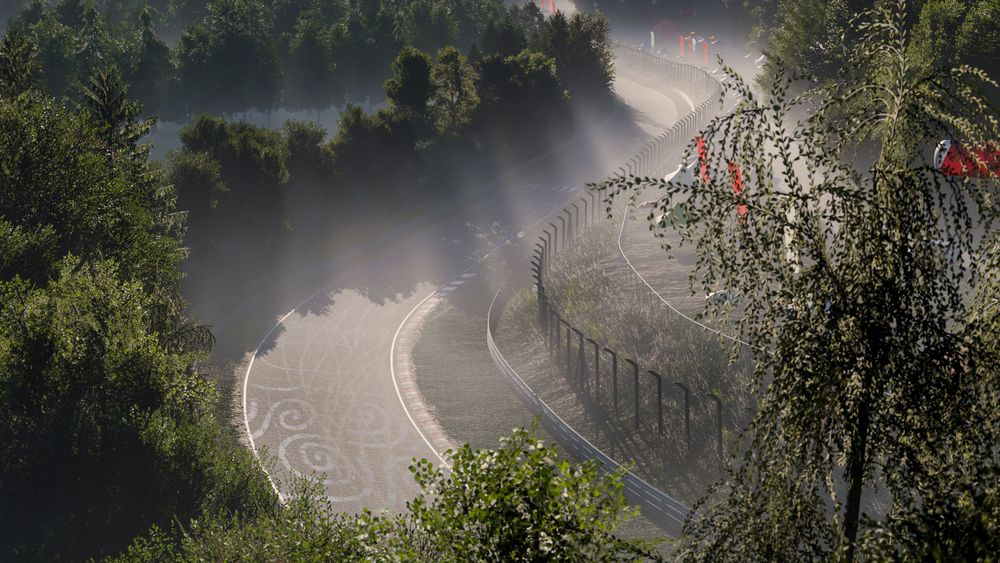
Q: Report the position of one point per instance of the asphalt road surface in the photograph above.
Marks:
(320, 395)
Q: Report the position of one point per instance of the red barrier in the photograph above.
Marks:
(737, 177)
(702, 159)
(955, 159)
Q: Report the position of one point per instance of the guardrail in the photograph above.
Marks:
(665, 511)
(651, 159)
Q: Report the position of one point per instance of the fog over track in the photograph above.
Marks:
(320, 393)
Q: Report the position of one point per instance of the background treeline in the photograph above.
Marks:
(449, 86)
(185, 57)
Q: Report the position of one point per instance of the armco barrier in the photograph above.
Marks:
(665, 511)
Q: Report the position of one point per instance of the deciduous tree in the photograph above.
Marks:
(854, 263)
(410, 89)
(455, 94)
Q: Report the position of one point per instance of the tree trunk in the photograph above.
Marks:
(856, 474)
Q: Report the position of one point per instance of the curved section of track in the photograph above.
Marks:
(324, 393)
(663, 300)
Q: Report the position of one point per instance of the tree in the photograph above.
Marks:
(252, 165)
(505, 39)
(530, 19)
(203, 197)
(515, 503)
(813, 38)
(153, 77)
(977, 41)
(119, 212)
(854, 292)
(520, 503)
(310, 69)
(307, 159)
(230, 64)
(19, 68)
(73, 13)
(31, 14)
(520, 97)
(455, 95)
(409, 89)
(107, 425)
(363, 47)
(285, 16)
(57, 54)
(581, 48)
(106, 97)
(429, 26)
(184, 13)
(364, 143)
(312, 186)
(94, 44)
(196, 84)
(935, 36)
(473, 17)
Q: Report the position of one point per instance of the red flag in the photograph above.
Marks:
(737, 177)
(702, 159)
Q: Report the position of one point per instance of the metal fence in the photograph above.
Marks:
(582, 356)
(665, 511)
(579, 354)
(653, 158)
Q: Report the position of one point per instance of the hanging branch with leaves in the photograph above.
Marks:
(852, 257)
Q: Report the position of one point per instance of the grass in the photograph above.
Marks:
(590, 288)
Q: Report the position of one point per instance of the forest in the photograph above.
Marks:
(112, 423)
(436, 90)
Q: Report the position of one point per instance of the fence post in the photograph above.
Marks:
(614, 378)
(687, 414)
(718, 426)
(659, 401)
(553, 327)
(545, 254)
(542, 304)
(635, 388)
(562, 222)
(555, 236)
(597, 368)
(558, 327)
(569, 350)
(581, 360)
